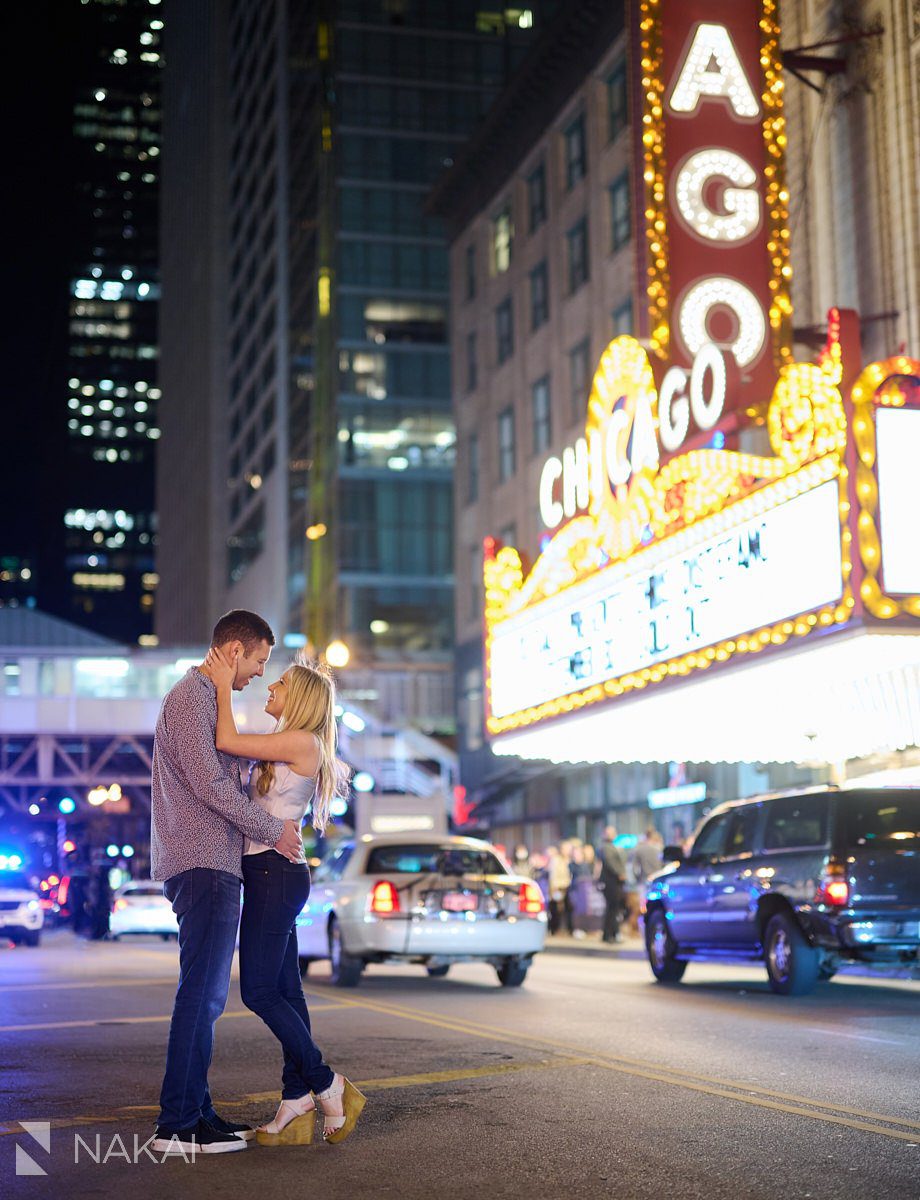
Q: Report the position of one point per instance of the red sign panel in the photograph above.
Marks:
(712, 147)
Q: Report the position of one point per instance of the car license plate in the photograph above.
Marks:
(459, 902)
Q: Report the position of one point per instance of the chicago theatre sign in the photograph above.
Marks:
(731, 569)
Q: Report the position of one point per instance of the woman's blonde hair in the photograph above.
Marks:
(310, 704)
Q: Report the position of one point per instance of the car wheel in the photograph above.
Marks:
(33, 938)
(345, 970)
(661, 949)
(512, 972)
(792, 964)
(165, 936)
(437, 972)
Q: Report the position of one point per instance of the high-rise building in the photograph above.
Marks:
(110, 406)
(311, 371)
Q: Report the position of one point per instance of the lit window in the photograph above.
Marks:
(506, 447)
(502, 237)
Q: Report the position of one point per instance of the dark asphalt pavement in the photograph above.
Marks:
(590, 1081)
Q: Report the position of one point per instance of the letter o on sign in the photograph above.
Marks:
(718, 291)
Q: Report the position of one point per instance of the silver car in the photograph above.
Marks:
(420, 898)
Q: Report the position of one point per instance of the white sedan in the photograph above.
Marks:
(420, 899)
(21, 916)
(141, 907)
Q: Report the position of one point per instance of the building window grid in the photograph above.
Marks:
(617, 101)
(472, 491)
(578, 259)
(620, 212)
(536, 197)
(470, 271)
(472, 373)
(539, 296)
(504, 330)
(576, 163)
(506, 446)
(542, 414)
(623, 319)
(578, 377)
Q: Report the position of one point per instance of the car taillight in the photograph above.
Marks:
(384, 899)
(63, 888)
(120, 903)
(530, 899)
(833, 889)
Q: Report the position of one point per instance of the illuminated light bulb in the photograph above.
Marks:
(696, 81)
(741, 203)
(715, 291)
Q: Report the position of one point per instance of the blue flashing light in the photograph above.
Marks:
(66, 805)
(10, 862)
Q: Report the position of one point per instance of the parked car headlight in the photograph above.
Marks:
(33, 904)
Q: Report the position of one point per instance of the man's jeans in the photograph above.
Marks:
(274, 892)
(207, 904)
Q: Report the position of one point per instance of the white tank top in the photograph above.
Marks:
(288, 798)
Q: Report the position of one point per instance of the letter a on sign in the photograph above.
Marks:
(712, 68)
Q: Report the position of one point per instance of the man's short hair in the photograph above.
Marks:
(239, 625)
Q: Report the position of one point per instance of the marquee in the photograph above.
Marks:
(727, 505)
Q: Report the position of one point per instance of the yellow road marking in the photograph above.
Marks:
(46, 1025)
(88, 983)
(746, 1093)
(367, 1085)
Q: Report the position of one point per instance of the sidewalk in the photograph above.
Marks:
(633, 947)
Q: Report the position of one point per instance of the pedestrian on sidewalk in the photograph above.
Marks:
(521, 861)
(612, 881)
(560, 881)
(646, 858)
(582, 872)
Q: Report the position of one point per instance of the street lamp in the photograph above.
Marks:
(337, 654)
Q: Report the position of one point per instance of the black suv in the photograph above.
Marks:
(803, 881)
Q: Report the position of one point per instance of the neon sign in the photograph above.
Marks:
(673, 552)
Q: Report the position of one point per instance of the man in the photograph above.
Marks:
(612, 880)
(199, 814)
(646, 859)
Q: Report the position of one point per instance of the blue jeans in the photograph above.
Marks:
(207, 905)
(274, 892)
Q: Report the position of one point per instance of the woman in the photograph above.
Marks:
(295, 766)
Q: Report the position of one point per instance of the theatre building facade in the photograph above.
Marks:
(684, 286)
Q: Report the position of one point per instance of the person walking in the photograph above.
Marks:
(296, 768)
(199, 817)
(611, 881)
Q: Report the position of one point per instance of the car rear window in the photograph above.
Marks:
(796, 821)
(440, 860)
(881, 816)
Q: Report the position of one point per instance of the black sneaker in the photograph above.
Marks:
(200, 1139)
(246, 1132)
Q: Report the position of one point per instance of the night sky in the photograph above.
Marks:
(41, 51)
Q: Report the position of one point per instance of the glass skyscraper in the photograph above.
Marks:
(112, 392)
(333, 411)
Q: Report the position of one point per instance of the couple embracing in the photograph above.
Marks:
(208, 834)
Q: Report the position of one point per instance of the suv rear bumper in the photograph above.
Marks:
(865, 936)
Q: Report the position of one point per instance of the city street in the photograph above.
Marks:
(589, 1081)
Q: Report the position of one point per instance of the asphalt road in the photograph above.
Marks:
(590, 1081)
